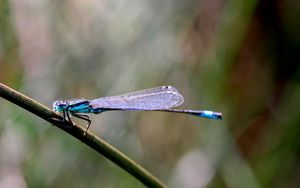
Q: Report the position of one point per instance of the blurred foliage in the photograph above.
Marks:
(237, 57)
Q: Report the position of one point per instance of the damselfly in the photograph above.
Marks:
(162, 98)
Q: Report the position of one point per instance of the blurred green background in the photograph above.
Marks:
(237, 57)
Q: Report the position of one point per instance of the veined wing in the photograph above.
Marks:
(163, 97)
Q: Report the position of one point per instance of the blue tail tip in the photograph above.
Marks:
(212, 115)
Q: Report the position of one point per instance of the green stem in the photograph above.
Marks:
(89, 139)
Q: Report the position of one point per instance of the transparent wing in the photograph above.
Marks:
(163, 97)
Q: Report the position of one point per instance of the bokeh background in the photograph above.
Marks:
(237, 57)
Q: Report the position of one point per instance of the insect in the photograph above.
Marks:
(162, 98)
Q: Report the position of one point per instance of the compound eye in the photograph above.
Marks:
(59, 106)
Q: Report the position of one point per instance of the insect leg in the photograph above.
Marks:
(66, 115)
(86, 118)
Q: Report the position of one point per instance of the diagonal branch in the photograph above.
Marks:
(89, 139)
